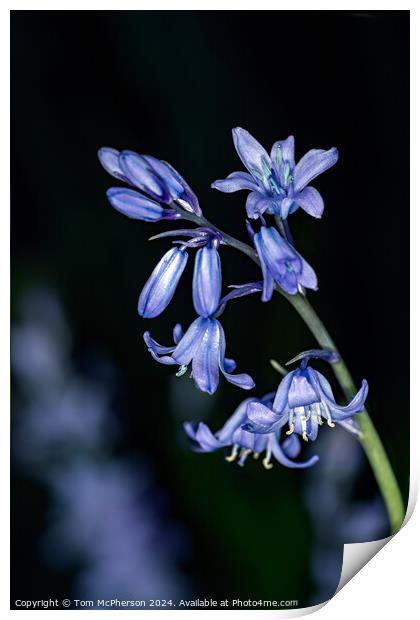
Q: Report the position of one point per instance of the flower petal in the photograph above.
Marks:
(282, 260)
(257, 203)
(161, 285)
(281, 457)
(203, 436)
(242, 380)
(186, 348)
(207, 281)
(268, 280)
(134, 205)
(235, 182)
(308, 277)
(176, 184)
(314, 163)
(155, 346)
(291, 446)
(286, 206)
(109, 160)
(262, 419)
(301, 391)
(283, 151)
(157, 351)
(252, 154)
(310, 200)
(229, 364)
(281, 397)
(177, 333)
(189, 200)
(205, 365)
(141, 174)
(356, 405)
(234, 422)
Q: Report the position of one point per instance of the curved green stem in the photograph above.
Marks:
(369, 439)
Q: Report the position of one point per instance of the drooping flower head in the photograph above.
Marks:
(158, 181)
(303, 400)
(278, 186)
(204, 345)
(204, 342)
(244, 443)
(282, 264)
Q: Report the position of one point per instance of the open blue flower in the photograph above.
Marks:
(244, 443)
(157, 179)
(278, 186)
(303, 400)
(281, 263)
(204, 345)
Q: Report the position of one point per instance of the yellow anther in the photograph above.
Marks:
(266, 463)
(256, 455)
(232, 455)
(330, 424)
(305, 436)
(320, 422)
(291, 430)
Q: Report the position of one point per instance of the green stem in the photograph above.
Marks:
(369, 439)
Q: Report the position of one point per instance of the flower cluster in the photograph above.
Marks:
(278, 187)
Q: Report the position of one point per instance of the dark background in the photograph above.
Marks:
(173, 84)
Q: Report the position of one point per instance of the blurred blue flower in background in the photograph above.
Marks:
(336, 517)
(105, 518)
(277, 185)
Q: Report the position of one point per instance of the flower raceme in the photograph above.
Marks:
(278, 186)
(282, 264)
(303, 400)
(159, 182)
(244, 443)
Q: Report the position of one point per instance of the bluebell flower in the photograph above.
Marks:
(138, 207)
(243, 443)
(277, 185)
(281, 263)
(204, 345)
(207, 280)
(160, 287)
(303, 400)
(155, 178)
